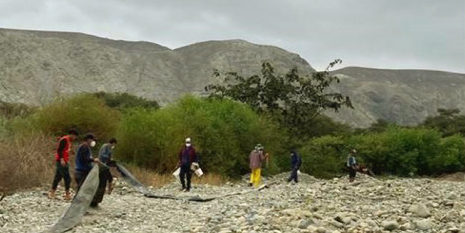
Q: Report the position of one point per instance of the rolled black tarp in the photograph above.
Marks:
(79, 205)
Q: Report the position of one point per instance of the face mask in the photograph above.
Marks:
(92, 143)
(188, 144)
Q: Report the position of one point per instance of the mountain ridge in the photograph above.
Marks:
(38, 66)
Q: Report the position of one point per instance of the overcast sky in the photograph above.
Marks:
(400, 34)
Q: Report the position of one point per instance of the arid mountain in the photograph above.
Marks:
(38, 66)
(406, 97)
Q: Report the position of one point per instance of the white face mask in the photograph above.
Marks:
(92, 143)
(188, 144)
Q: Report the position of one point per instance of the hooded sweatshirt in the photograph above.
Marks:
(296, 161)
(84, 158)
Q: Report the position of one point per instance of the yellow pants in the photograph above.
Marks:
(255, 177)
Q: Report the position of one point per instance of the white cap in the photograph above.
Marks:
(188, 140)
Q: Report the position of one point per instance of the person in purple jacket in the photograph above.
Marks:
(187, 156)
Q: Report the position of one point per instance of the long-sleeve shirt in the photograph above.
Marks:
(351, 161)
(187, 155)
(295, 161)
(105, 153)
(84, 158)
(256, 158)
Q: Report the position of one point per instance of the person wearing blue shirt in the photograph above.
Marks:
(352, 165)
(84, 160)
(105, 177)
(296, 162)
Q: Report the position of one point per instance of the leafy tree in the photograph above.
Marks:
(294, 100)
(448, 122)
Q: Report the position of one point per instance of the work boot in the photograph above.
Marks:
(67, 196)
(51, 194)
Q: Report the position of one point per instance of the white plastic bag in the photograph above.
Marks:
(199, 172)
(194, 166)
(177, 172)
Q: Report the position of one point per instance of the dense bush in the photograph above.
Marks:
(85, 113)
(123, 101)
(399, 151)
(323, 157)
(448, 122)
(323, 125)
(223, 132)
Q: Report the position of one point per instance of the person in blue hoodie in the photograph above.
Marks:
(84, 160)
(296, 161)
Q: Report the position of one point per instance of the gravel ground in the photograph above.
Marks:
(313, 205)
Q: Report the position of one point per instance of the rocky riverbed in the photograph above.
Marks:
(313, 205)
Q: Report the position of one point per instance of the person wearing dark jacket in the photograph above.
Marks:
(84, 160)
(296, 161)
(187, 156)
(62, 164)
(105, 177)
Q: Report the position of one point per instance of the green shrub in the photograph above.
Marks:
(397, 151)
(82, 112)
(123, 101)
(223, 132)
(452, 156)
(322, 156)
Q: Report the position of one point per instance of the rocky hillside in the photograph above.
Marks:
(38, 66)
(313, 205)
(35, 67)
(403, 96)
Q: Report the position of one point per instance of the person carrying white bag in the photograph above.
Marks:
(187, 158)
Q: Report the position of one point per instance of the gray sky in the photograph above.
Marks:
(400, 34)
